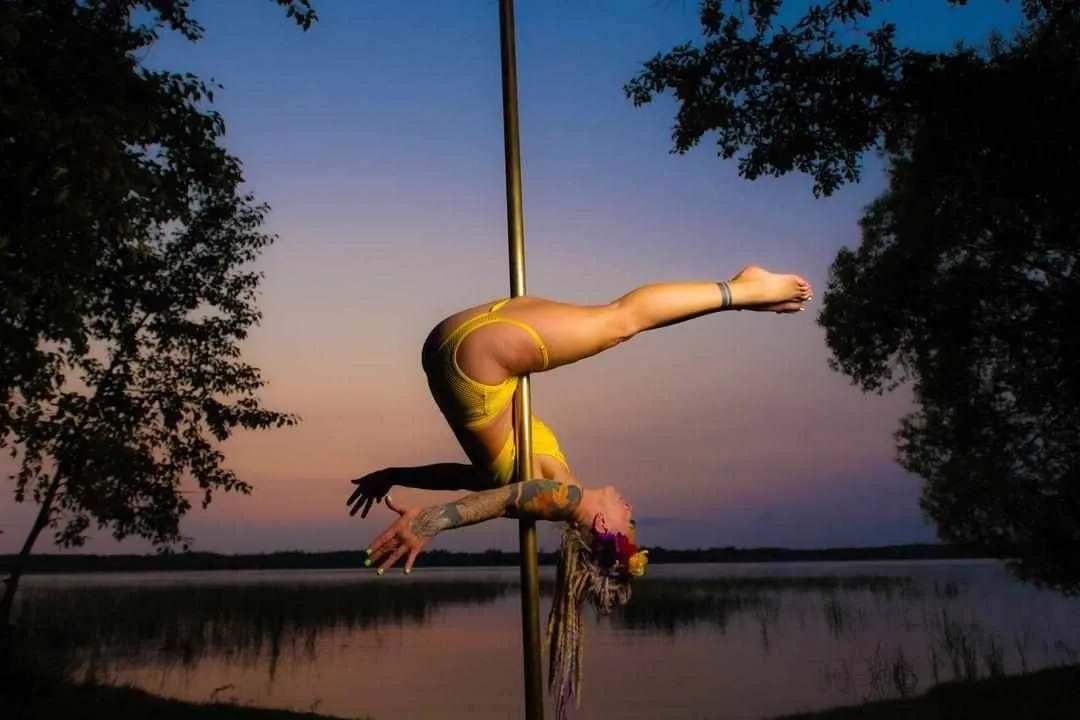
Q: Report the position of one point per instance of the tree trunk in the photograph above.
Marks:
(11, 582)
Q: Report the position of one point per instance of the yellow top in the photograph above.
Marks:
(472, 404)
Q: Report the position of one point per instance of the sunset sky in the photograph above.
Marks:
(377, 139)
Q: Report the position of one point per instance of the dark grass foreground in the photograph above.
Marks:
(1045, 695)
(97, 702)
(33, 694)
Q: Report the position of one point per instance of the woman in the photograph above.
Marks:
(473, 360)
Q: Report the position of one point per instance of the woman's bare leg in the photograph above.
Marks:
(575, 332)
(493, 352)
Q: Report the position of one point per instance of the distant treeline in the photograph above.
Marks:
(55, 563)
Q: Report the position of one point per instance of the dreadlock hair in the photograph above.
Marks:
(579, 574)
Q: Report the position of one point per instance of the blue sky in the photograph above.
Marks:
(376, 138)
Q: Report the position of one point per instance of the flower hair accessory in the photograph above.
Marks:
(618, 554)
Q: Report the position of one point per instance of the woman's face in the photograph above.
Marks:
(616, 515)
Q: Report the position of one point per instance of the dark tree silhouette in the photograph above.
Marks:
(812, 95)
(963, 282)
(125, 287)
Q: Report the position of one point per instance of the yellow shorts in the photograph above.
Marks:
(472, 405)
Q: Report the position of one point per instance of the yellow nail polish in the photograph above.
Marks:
(379, 571)
(367, 563)
(368, 551)
(407, 571)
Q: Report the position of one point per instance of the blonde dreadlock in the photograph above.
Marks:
(577, 575)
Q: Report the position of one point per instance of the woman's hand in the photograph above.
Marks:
(370, 489)
(535, 499)
(406, 537)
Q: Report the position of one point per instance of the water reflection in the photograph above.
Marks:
(248, 624)
(717, 641)
(670, 604)
(252, 623)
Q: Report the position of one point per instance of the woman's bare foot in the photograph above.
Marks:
(758, 289)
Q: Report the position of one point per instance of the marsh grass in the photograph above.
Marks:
(891, 673)
(93, 628)
(957, 650)
(668, 604)
(90, 632)
(965, 649)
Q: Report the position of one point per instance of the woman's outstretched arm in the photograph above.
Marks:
(373, 487)
(535, 499)
(443, 476)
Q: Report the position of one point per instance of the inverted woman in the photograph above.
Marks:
(474, 360)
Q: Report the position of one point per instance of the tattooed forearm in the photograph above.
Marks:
(432, 520)
(536, 499)
(544, 500)
(468, 510)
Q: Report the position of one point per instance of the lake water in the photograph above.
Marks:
(696, 641)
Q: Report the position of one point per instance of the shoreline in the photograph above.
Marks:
(1049, 694)
(57, 563)
(1046, 694)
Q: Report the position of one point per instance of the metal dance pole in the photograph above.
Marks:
(530, 578)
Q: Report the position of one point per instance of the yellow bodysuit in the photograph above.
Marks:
(470, 405)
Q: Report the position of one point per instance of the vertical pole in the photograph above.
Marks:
(530, 578)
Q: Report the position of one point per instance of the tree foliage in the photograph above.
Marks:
(964, 283)
(126, 239)
(813, 96)
(964, 279)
